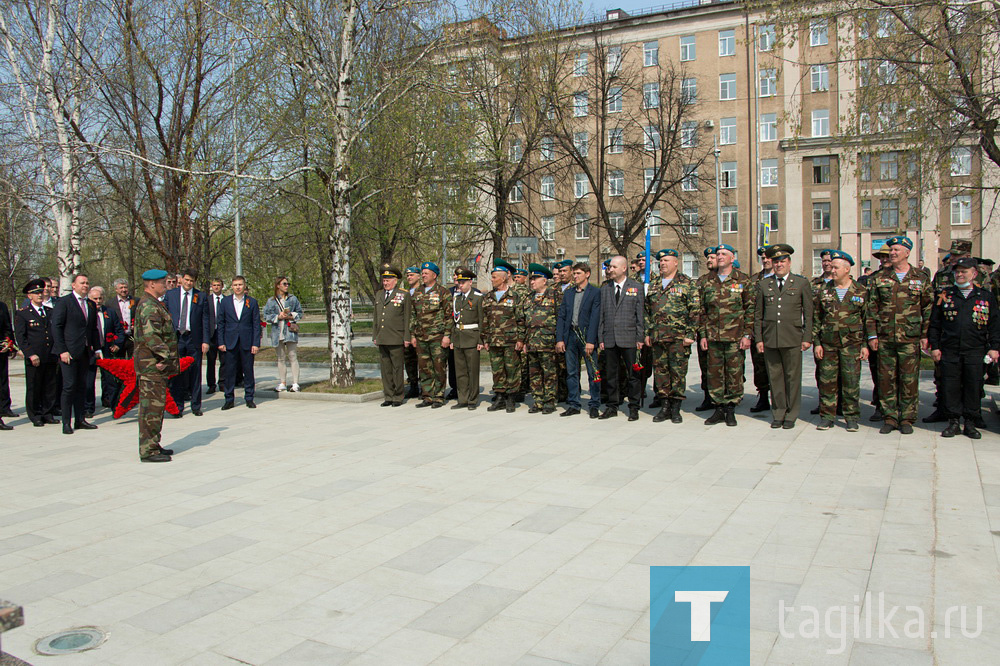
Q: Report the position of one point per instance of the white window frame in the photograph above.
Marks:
(581, 63)
(768, 79)
(821, 123)
(769, 172)
(616, 223)
(887, 210)
(581, 186)
(961, 210)
(689, 134)
(516, 150)
(516, 194)
(819, 78)
(730, 219)
(581, 143)
(546, 148)
(727, 87)
(616, 183)
(651, 138)
(692, 263)
(690, 225)
(615, 97)
(650, 54)
(616, 141)
(515, 115)
(727, 43)
(689, 181)
(822, 216)
(819, 34)
(888, 165)
(648, 178)
(548, 227)
(727, 131)
(866, 214)
(727, 174)
(689, 90)
(581, 105)
(613, 59)
(651, 95)
(766, 37)
(961, 161)
(688, 49)
(582, 226)
(769, 216)
(547, 189)
(768, 130)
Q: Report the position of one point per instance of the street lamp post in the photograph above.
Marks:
(718, 201)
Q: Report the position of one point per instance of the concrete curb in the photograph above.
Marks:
(331, 397)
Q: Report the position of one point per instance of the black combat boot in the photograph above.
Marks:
(730, 415)
(675, 411)
(952, 429)
(511, 404)
(717, 417)
(706, 404)
(763, 404)
(499, 402)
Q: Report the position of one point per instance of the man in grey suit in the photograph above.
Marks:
(782, 325)
(621, 333)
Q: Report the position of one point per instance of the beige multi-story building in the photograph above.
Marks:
(774, 112)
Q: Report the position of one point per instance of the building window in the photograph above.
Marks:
(516, 228)
(651, 137)
(820, 78)
(961, 161)
(689, 134)
(821, 122)
(765, 37)
(728, 175)
(614, 59)
(581, 143)
(650, 54)
(913, 213)
(821, 170)
(616, 140)
(689, 222)
(649, 180)
(650, 95)
(730, 220)
(865, 166)
(866, 214)
(516, 150)
(768, 82)
(689, 91)
(691, 264)
(549, 228)
(961, 210)
(655, 223)
(689, 182)
(769, 216)
(888, 166)
(581, 187)
(727, 86)
(817, 262)
(889, 213)
(886, 72)
(727, 42)
(546, 148)
(727, 131)
(616, 183)
(821, 216)
(516, 193)
(580, 65)
(769, 173)
(687, 48)
(581, 102)
(616, 223)
(548, 189)
(818, 33)
(768, 127)
(515, 115)
(884, 23)
(582, 226)
(615, 100)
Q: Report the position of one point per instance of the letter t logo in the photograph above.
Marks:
(701, 610)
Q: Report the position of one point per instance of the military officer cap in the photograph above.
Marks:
(538, 270)
(430, 266)
(413, 269)
(724, 246)
(565, 263)
(154, 274)
(521, 271)
(709, 251)
(900, 240)
(965, 262)
(35, 286)
(390, 271)
(666, 253)
(840, 254)
(503, 265)
(779, 251)
(462, 274)
(959, 246)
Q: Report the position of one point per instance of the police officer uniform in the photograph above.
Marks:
(34, 337)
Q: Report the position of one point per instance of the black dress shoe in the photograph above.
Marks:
(83, 425)
(775, 425)
(38, 423)
(937, 416)
(4, 426)
(437, 405)
(633, 414)
(952, 429)
(788, 425)
(397, 404)
(423, 403)
(472, 406)
(570, 411)
(730, 415)
(386, 403)
(460, 405)
(156, 457)
(609, 413)
(67, 429)
(196, 412)
(763, 404)
(228, 405)
(595, 413)
(251, 404)
(971, 432)
(662, 415)
(9, 414)
(49, 420)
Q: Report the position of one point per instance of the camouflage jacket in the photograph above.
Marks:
(540, 313)
(155, 340)
(502, 324)
(900, 311)
(726, 307)
(838, 324)
(945, 278)
(672, 313)
(431, 313)
(818, 282)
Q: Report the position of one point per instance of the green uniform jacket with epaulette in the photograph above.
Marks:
(502, 324)
(900, 310)
(672, 313)
(540, 313)
(155, 340)
(468, 320)
(432, 316)
(838, 324)
(726, 307)
(392, 319)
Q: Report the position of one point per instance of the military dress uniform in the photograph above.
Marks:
(760, 381)
(430, 323)
(155, 342)
(391, 330)
(672, 312)
(901, 309)
(466, 338)
(540, 313)
(34, 338)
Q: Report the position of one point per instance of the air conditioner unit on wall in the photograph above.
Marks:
(709, 124)
(560, 251)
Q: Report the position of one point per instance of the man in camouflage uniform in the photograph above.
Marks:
(156, 359)
(711, 268)
(882, 257)
(432, 322)
(540, 313)
(756, 357)
(502, 336)
(817, 284)
(522, 291)
(673, 306)
(900, 306)
(726, 325)
(840, 326)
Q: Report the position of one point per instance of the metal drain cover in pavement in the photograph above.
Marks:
(70, 641)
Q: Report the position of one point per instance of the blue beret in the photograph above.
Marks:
(413, 269)
(606, 264)
(840, 254)
(538, 270)
(726, 247)
(430, 266)
(154, 274)
(521, 271)
(900, 240)
(666, 253)
(565, 263)
(736, 264)
(503, 265)
(709, 251)
(828, 252)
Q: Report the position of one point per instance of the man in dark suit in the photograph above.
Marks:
(122, 304)
(6, 350)
(783, 323)
(621, 333)
(74, 334)
(576, 336)
(212, 312)
(34, 337)
(111, 337)
(189, 313)
(239, 338)
(391, 334)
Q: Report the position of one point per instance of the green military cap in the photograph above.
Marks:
(666, 253)
(154, 274)
(959, 246)
(779, 251)
(840, 254)
(390, 271)
(462, 274)
(565, 263)
(900, 240)
(503, 265)
(538, 270)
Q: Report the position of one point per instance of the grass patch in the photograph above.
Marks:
(320, 327)
(360, 386)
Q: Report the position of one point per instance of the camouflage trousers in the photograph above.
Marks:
(670, 366)
(725, 372)
(843, 365)
(432, 362)
(506, 370)
(152, 403)
(899, 380)
(542, 369)
(760, 381)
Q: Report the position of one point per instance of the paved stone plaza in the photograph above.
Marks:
(320, 533)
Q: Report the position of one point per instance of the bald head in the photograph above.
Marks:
(617, 267)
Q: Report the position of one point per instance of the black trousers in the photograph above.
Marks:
(616, 356)
(110, 388)
(4, 384)
(187, 385)
(210, 357)
(410, 361)
(962, 383)
(74, 390)
(41, 390)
